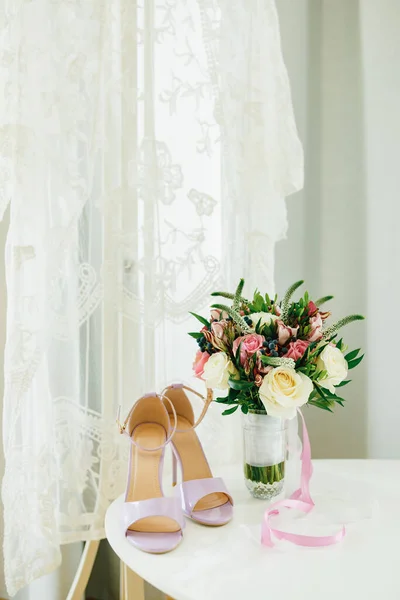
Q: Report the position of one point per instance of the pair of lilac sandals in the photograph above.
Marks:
(153, 522)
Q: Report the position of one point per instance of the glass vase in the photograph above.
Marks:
(264, 446)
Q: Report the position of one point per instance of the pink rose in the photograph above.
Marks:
(217, 314)
(316, 328)
(297, 349)
(285, 332)
(199, 362)
(249, 345)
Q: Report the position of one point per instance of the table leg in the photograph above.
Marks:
(84, 570)
(131, 585)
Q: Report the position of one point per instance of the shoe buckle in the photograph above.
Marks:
(121, 426)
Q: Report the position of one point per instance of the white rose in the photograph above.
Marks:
(266, 318)
(283, 390)
(217, 371)
(334, 363)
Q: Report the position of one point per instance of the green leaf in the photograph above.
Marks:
(223, 295)
(245, 409)
(319, 375)
(230, 411)
(237, 355)
(320, 405)
(200, 318)
(320, 392)
(338, 399)
(341, 323)
(258, 326)
(278, 361)
(224, 400)
(322, 300)
(343, 383)
(233, 393)
(238, 295)
(258, 302)
(352, 355)
(196, 334)
(354, 363)
(291, 290)
(238, 384)
(238, 319)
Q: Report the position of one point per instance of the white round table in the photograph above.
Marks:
(229, 563)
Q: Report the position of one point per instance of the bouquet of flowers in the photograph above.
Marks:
(271, 355)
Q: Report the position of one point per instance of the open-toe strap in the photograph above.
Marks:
(191, 492)
(155, 507)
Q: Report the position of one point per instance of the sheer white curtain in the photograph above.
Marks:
(146, 149)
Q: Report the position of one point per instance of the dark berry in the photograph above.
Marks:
(271, 346)
(275, 342)
(269, 339)
(209, 346)
(274, 353)
(265, 344)
(284, 350)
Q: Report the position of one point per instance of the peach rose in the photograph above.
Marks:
(297, 349)
(285, 332)
(217, 342)
(217, 314)
(260, 367)
(258, 380)
(200, 360)
(316, 328)
(218, 328)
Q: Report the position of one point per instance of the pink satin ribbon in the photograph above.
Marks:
(300, 500)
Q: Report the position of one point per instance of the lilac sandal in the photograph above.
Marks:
(203, 498)
(152, 523)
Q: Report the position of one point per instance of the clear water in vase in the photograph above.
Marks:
(264, 445)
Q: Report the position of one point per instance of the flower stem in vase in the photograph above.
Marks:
(265, 482)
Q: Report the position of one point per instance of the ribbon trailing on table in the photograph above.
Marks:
(299, 500)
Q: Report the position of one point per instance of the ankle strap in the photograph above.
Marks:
(207, 401)
(122, 427)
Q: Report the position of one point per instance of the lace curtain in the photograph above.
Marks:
(146, 148)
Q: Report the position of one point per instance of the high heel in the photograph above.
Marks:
(204, 498)
(152, 522)
(174, 470)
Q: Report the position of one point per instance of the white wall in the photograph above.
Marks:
(380, 27)
(326, 242)
(343, 59)
(3, 308)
